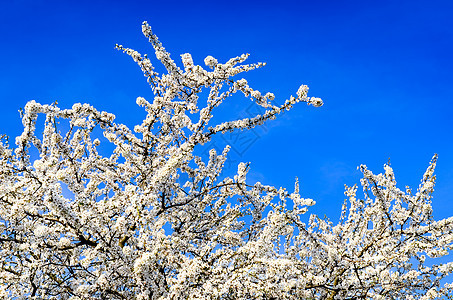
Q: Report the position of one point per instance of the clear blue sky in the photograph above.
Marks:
(383, 69)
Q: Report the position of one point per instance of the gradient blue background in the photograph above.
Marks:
(383, 68)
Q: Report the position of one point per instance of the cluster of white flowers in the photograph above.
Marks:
(151, 220)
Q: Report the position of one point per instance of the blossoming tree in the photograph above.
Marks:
(152, 220)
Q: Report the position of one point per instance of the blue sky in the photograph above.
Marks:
(383, 69)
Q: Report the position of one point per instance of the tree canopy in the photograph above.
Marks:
(152, 220)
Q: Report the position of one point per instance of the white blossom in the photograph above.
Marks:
(142, 216)
(210, 61)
